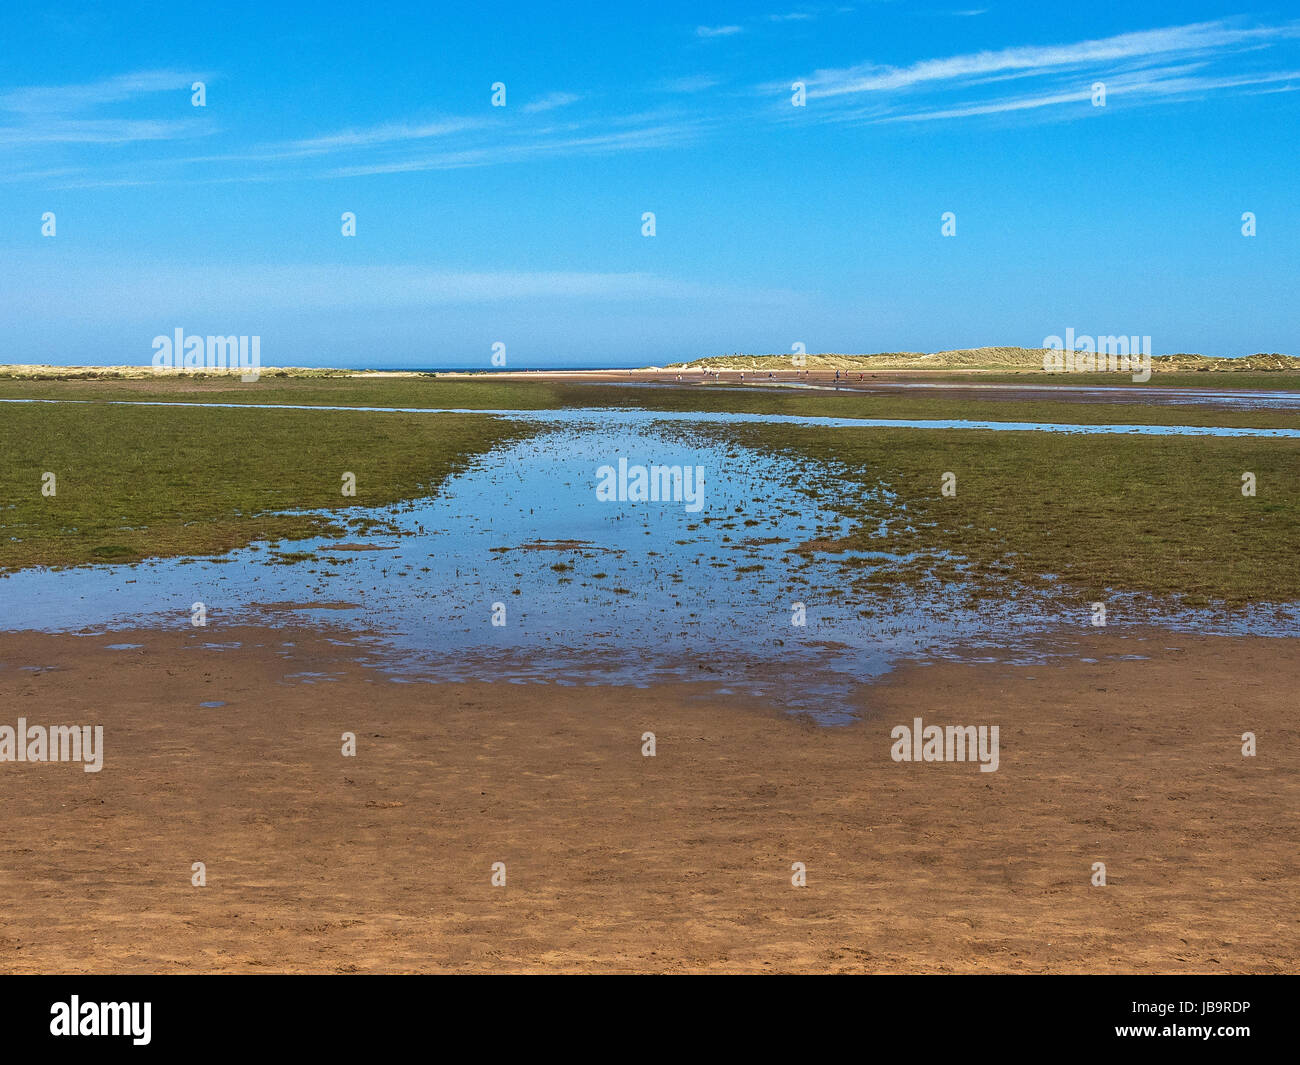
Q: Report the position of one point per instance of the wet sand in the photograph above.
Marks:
(964, 385)
(619, 862)
(1219, 391)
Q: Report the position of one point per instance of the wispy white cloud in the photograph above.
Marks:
(96, 131)
(58, 114)
(757, 21)
(63, 99)
(551, 101)
(442, 142)
(1199, 38)
(1147, 63)
(388, 133)
(637, 139)
(1155, 88)
(718, 31)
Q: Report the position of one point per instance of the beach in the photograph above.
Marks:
(1124, 750)
(371, 674)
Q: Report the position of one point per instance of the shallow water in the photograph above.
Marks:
(593, 591)
(634, 418)
(1144, 395)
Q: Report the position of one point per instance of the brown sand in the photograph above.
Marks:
(681, 862)
(857, 379)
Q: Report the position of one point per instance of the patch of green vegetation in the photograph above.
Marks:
(114, 553)
(139, 482)
(1160, 515)
(288, 558)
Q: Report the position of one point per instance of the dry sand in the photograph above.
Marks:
(618, 862)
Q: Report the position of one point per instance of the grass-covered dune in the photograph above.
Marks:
(990, 358)
(43, 372)
(135, 482)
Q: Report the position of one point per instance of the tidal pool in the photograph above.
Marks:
(516, 571)
(643, 418)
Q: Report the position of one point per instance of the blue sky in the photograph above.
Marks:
(521, 224)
